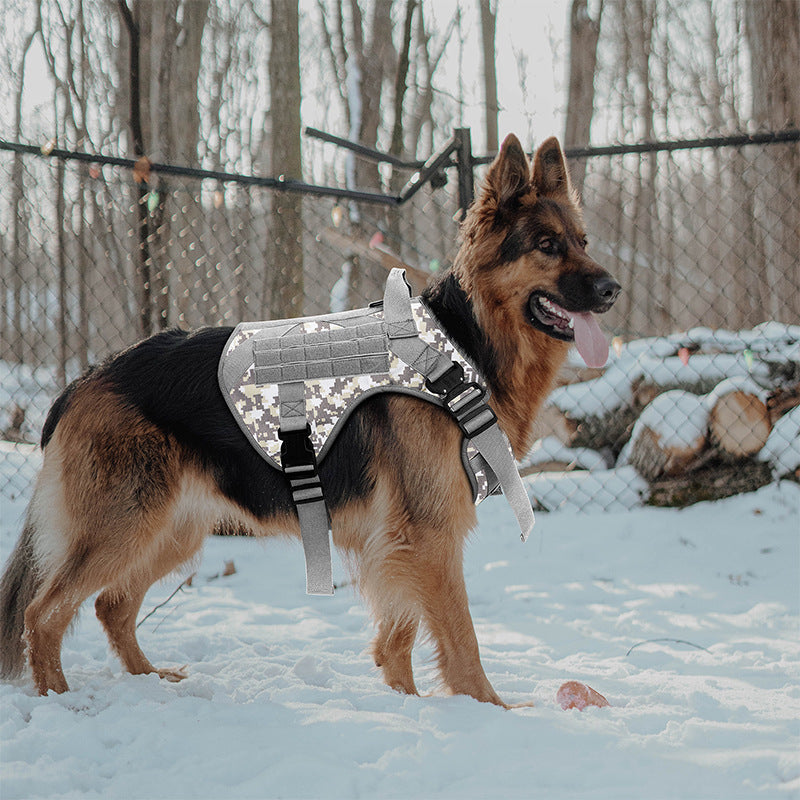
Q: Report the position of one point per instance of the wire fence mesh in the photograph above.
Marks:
(701, 391)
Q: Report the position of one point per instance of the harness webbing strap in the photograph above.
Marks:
(299, 465)
(464, 400)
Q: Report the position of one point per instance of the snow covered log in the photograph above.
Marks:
(669, 436)
(738, 418)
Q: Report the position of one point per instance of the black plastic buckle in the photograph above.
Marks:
(452, 379)
(297, 452)
(466, 403)
(464, 400)
(299, 464)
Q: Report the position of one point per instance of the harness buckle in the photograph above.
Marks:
(297, 452)
(466, 403)
(299, 465)
(451, 379)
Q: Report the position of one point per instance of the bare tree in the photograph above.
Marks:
(773, 32)
(584, 32)
(370, 56)
(18, 228)
(163, 47)
(285, 269)
(488, 34)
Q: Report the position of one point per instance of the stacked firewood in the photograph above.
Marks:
(699, 415)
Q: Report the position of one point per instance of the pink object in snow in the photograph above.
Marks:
(573, 694)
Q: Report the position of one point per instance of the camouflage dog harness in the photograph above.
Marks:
(292, 384)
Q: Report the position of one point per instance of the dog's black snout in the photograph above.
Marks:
(606, 290)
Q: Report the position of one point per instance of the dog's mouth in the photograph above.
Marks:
(545, 314)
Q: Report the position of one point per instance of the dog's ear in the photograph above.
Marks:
(550, 173)
(509, 176)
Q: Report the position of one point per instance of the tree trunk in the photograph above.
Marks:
(14, 320)
(165, 122)
(286, 266)
(61, 262)
(369, 59)
(645, 209)
(132, 18)
(164, 34)
(584, 33)
(773, 32)
(395, 239)
(491, 110)
(84, 261)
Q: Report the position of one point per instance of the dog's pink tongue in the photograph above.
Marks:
(589, 340)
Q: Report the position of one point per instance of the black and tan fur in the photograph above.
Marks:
(142, 458)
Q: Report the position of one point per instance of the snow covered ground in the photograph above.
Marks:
(687, 621)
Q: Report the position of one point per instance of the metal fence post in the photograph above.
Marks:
(464, 164)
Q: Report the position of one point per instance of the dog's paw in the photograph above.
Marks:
(529, 704)
(173, 675)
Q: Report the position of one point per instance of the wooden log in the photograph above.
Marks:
(738, 423)
(782, 400)
(553, 421)
(378, 254)
(669, 437)
(712, 482)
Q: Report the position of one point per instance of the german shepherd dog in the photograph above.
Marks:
(142, 458)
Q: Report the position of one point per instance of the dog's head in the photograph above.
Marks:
(524, 262)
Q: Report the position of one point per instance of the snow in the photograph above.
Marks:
(782, 449)
(597, 397)
(619, 489)
(686, 621)
(551, 448)
(741, 383)
(679, 419)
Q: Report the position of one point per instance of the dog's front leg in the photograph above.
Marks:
(443, 599)
(392, 652)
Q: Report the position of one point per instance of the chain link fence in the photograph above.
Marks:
(700, 397)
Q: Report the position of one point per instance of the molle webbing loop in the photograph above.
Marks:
(465, 400)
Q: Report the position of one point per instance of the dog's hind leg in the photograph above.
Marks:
(46, 621)
(117, 606)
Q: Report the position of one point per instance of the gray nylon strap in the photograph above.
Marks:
(292, 409)
(307, 495)
(404, 339)
(405, 342)
(316, 546)
(493, 446)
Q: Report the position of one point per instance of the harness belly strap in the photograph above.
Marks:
(299, 465)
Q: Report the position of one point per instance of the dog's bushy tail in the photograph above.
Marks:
(18, 586)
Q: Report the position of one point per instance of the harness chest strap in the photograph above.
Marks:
(299, 465)
(464, 400)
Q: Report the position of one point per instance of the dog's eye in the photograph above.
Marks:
(583, 242)
(548, 246)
